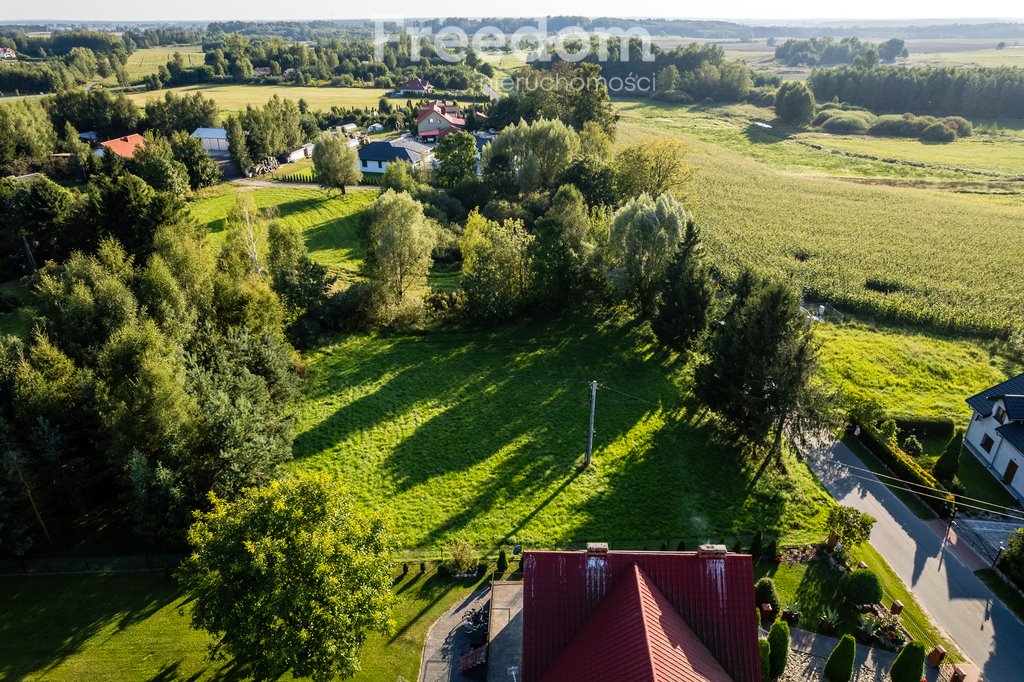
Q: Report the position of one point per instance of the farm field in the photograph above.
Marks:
(131, 627)
(941, 258)
(143, 62)
(231, 98)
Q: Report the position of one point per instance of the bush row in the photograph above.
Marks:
(853, 121)
(904, 466)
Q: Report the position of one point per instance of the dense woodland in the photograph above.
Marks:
(979, 92)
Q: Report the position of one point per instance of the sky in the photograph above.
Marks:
(199, 10)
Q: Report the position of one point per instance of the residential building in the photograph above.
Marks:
(996, 432)
(437, 119)
(214, 140)
(610, 615)
(415, 86)
(123, 146)
(7, 53)
(375, 156)
(262, 71)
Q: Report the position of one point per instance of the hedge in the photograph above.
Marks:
(905, 467)
(765, 649)
(923, 427)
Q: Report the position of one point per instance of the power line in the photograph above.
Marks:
(628, 395)
(956, 496)
(936, 497)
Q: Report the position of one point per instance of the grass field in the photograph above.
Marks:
(909, 373)
(884, 240)
(143, 62)
(477, 434)
(132, 627)
(231, 98)
(330, 223)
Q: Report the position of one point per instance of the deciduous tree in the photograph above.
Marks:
(399, 240)
(644, 236)
(290, 578)
(335, 164)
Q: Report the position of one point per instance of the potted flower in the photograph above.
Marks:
(829, 623)
(791, 614)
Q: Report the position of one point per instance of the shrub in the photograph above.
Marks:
(423, 567)
(938, 132)
(755, 546)
(961, 125)
(901, 464)
(912, 446)
(681, 547)
(839, 666)
(778, 638)
(765, 593)
(862, 587)
(1012, 561)
(846, 122)
(773, 549)
(948, 464)
(462, 558)
(766, 653)
(737, 547)
(909, 665)
(405, 569)
(502, 560)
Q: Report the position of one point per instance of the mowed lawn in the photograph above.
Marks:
(330, 221)
(232, 97)
(135, 626)
(478, 434)
(871, 245)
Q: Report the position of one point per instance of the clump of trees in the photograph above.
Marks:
(830, 52)
(794, 103)
(335, 163)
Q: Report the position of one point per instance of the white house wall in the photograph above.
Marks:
(976, 431)
(1002, 452)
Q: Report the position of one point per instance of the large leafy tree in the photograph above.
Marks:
(202, 170)
(761, 366)
(399, 244)
(654, 166)
(290, 578)
(684, 304)
(335, 164)
(851, 525)
(563, 250)
(535, 154)
(456, 156)
(182, 113)
(644, 235)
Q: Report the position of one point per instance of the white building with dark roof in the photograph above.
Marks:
(996, 432)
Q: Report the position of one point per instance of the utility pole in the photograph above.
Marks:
(590, 433)
(952, 518)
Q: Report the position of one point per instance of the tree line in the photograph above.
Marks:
(849, 50)
(974, 92)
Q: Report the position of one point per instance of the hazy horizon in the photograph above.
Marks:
(742, 11)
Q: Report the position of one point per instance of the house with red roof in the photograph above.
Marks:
(608, 615)
(7, 53)
(415, 86)
(437, 119)
(123, 146)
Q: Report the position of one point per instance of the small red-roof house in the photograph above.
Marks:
(438, 118)
(652, 616)
(415, 86)
(125, 146)
(7, 53)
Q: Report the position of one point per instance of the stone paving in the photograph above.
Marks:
(808, 652)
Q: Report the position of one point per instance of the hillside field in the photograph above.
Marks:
(884, 240)
(145, 61)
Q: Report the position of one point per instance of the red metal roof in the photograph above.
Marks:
(636, 633)
(714, 596)
(125, 146)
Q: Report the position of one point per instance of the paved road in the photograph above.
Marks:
(987, 632)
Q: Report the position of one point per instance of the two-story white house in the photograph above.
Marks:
(996, 432)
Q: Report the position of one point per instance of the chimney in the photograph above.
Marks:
(711, 551)
(597, 548)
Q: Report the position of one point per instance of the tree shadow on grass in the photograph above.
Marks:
(48, 619)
